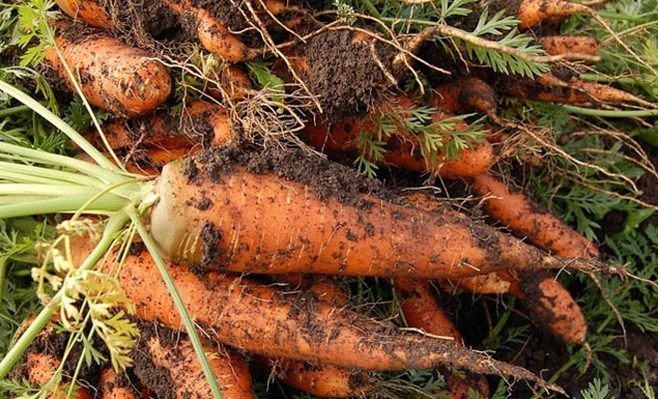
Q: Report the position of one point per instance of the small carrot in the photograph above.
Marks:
(213, 35)
(234, 83)
(88, 11)
(163, 349)
(466, 94)
(562, 44)
(110, 387)
(532, 12)
(112, 75)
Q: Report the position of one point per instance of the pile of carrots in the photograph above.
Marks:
(249, 232)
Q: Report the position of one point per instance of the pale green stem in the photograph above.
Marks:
(25, 178)
(51, 175)
(173, 291)
(46, 190)
(76, 137)
(114, 225)
(18, 199)
(607, 113)
(105, 205)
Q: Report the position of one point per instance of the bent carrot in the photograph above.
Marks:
(213, 35)
(87, 11)
(112, 75)
(330, 237)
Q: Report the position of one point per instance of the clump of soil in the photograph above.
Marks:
(344, 74)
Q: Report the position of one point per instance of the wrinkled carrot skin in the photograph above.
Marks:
(112, 75)
(555, 45)
(109, 387)
(87, 11)
(532, 12)
(322, 237)
(188, 381)
(401, 150)
(213, 35)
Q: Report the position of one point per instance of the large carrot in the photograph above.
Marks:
(112, 75)
(247, 315)
(375, 238)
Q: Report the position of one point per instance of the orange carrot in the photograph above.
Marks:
(401, 149)
(163, 349)
(87, 11)
(324, 237)
(233, 81)
(247, 315)
(213, 35)
(532, 12)
(112, 75)
(466, 94)
(554, 45)
(110, 386)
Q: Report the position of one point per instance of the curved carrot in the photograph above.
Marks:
(87, 11)
(213, 35)
(323, 237)
(112, 75)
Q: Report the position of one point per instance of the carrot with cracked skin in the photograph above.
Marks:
(401, 150)
(324, 236)
(184, 379)
(248, 315)
(112, 75)
(87, 11)
(213, 35)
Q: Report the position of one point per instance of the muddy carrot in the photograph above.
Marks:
(110, 386)
(112, 75)
(532, 12)
(87, 11)
(554, 45)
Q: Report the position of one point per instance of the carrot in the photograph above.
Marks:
(111, 388)
(532, 12)
(213, 35)
(554, 45)
(200, 123)
(466, 94)
(401, 149)
(112, 75)
(163, 349)
(421, 310)
(324, 237)
(528, 219)
(233, 81)
(247, 315)
(490, 283)
(87, 11)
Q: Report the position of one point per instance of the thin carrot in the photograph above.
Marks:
(213, 35)
(112, 75)
(88, 11)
